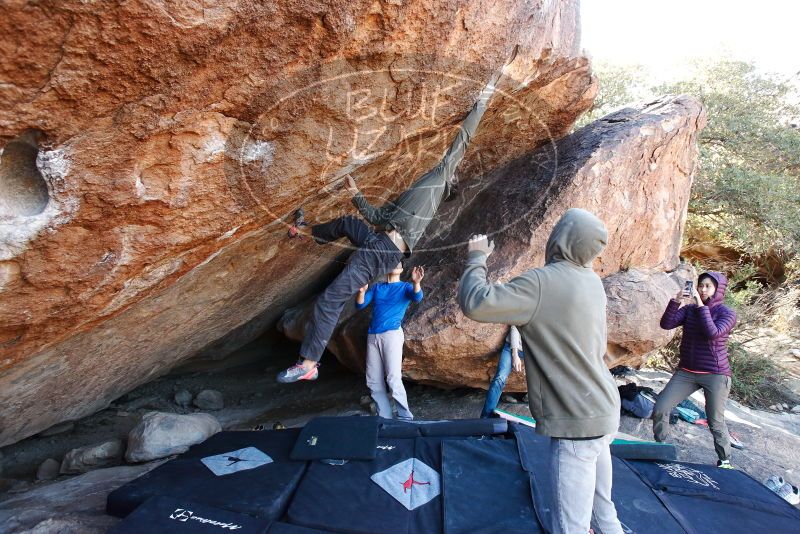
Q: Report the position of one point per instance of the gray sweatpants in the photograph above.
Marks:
(682, 384)
(385, 366)
(412, 211)
(581, 478)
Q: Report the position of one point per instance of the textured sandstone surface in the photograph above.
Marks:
(636, 301)
(632, 168)
(152, 148)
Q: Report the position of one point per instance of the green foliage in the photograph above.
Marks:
(619, 85)
(748, 187)
(755, 380)
(739, 299)
(747, 191)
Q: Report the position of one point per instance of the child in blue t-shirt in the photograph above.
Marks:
(385, 338)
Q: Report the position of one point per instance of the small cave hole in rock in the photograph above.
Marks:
(23, 190)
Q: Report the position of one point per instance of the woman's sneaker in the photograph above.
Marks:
(789, 493)
(774, 483)
(296, 373)
(724, 464)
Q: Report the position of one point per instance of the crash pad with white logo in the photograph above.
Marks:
(381, 495)
(637, 507)
(242, 471)
(169, 515)
(729, 499)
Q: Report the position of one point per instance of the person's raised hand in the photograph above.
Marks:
(351, 185)
(480, 243)
(363, 289)
(417, 274)
(697, 299)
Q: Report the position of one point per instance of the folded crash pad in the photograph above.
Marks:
(465, 427)
(348, 438)
(246, 472)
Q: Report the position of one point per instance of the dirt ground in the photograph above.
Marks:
(251, 397)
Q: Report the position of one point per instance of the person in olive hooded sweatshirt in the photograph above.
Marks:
(560, 311)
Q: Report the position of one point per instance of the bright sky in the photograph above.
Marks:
(663, 35)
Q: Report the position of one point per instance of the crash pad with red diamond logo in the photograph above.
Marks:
(412, 482)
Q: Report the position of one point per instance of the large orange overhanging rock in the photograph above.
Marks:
(632, 168)
(152, 150)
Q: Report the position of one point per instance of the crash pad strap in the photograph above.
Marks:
(643, 450)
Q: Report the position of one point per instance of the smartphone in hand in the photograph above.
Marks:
(688, 289)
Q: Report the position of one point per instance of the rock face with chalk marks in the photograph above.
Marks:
(152, 150)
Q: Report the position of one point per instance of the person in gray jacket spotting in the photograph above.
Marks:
(560, 311)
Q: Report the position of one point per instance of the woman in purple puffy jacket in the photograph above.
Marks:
(706, 323)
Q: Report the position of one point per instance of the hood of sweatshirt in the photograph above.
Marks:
(722, 285)
(579, 237)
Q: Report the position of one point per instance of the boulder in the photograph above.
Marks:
(633, 169)
(183, 398)
(209, 399)
(636, 302)
(159, 434)
(84, 459)
(48, 470)
(72, 504)
(152, 151)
